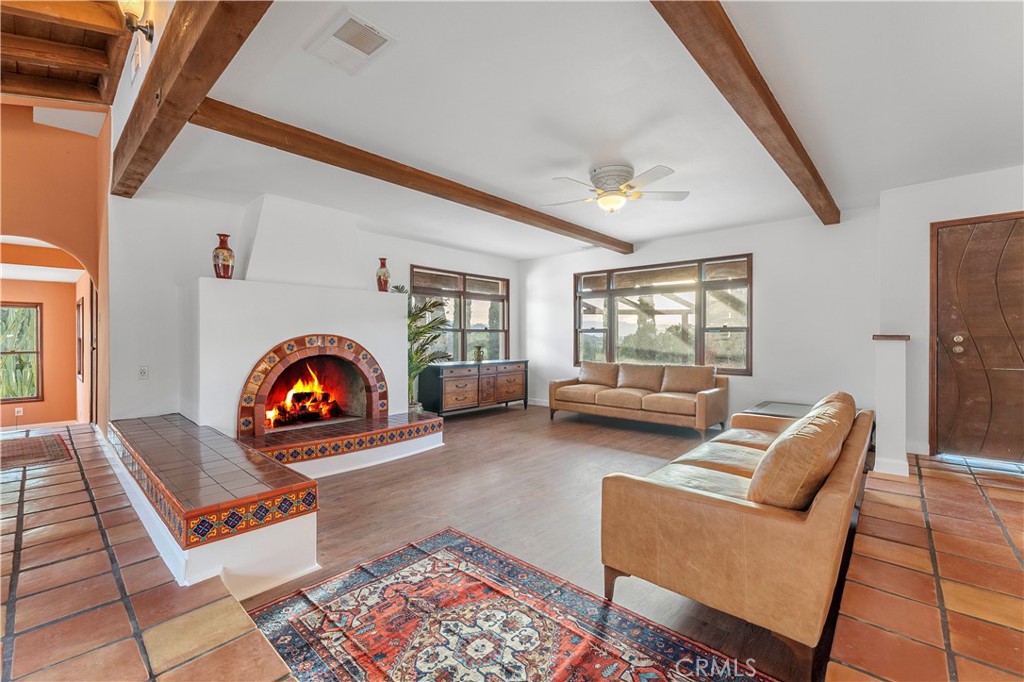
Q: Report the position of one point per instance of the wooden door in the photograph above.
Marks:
(978, 337)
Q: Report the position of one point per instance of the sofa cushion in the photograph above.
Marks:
(671, 403)
(704, 480)
(580, 393)
(687, 379)
(604, 373)
(836, 397)
(751, 438)
(626, 398)
(725, 457)
(801, 458)
(647, 377)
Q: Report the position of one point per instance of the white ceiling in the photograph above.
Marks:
(85, 122)
(25, 241)
(504, 96)
(39, 273)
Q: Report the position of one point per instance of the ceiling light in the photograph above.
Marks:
(133, 11)
(611, 201)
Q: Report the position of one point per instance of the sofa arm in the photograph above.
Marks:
(773, 567)
(760, 422)
(557, 384)
(712, 407)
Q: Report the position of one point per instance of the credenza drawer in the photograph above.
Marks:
(509, 392)
(459, 372)
(486, 369)
(511, 379)
(459, 385)
(457, 399)
(512, 367)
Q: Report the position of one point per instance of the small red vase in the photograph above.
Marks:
(223, 258)
(383, 275)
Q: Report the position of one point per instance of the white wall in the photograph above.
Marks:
(904, 265)
(127, 89)
(162, 243)
(158, 241)
(814, 306)
(239, 321)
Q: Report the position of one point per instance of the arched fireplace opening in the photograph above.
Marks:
(313, 390)
(333, 376)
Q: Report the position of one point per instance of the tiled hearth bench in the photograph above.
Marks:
(214, 505)
(333, 447)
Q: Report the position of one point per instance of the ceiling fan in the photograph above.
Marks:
(614, 185)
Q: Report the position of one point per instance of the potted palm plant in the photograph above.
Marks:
(425, 328)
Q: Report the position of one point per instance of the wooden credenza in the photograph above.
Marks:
(452, 386)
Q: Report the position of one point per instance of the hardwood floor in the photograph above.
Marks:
(530, 487)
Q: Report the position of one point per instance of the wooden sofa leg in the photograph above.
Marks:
(553, 410)
(610, 574)
(703, 434)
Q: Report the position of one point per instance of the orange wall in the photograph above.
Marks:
(18, 254)
(48, 181)
(59, 390)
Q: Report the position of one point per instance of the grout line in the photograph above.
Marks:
(12, 588)
(943, 619)
(999, 521)
(118, 578)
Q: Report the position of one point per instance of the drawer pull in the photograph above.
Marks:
(511, 380)
(461, 385)
(460, 398)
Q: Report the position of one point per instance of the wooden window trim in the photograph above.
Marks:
(38, 398)
(700, 287)
(80, 339)
(461, 295)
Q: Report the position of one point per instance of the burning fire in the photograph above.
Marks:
(306, 401)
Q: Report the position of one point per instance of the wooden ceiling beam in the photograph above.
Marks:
(116, 54)
(253, 127)
(49, 53)
(102, 17)
(707, 33)
(49, 88)
(196, 45)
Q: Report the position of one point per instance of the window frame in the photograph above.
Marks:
(38, 397)
(462, 332)
(700, 288)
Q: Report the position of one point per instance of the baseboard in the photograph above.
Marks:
(540, 402)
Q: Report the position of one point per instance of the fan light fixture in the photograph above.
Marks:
(133, 11)
(611, 201)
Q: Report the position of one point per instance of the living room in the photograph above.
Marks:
(612, 195)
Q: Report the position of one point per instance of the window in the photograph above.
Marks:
(475, 307)
(689, 313)
(21, 351)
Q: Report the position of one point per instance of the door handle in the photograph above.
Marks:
(958, 338)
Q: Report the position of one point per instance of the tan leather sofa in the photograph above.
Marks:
(752, 523)
(678, 395)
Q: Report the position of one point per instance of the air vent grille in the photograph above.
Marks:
(360, 37)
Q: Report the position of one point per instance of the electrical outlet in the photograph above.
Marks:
(19, 411)
(143, 373)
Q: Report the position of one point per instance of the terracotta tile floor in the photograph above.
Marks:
(935, 586)
(86, 596)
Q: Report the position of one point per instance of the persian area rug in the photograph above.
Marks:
(23, 452)
(451, 608)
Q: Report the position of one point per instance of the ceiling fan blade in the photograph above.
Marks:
(647, 177)
(574, 201)
(577, 182)
(664, 196)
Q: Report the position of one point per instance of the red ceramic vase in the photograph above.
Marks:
(223, 258)
(383, 275)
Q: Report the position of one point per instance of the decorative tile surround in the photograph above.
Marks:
(341, 438)
(252, 402)
(204, 485)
